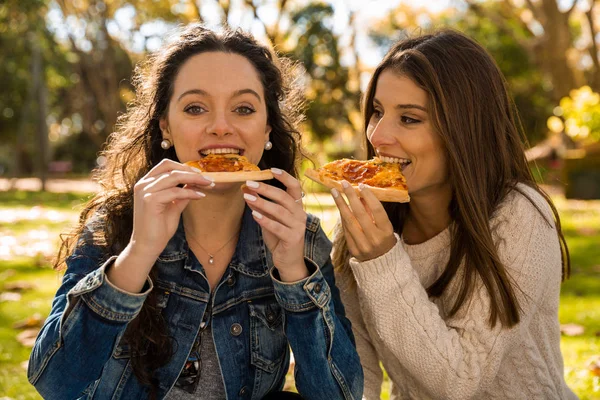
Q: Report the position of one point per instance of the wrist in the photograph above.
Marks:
(294, 273)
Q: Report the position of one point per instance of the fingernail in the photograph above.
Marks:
(252, 184)
(208, 178)
(257, 214)
(276, 171)
(249, 197)
(200, 194)
(212, 184)
(345, 184)
(361, 186)
(335, 193)
(196, 169)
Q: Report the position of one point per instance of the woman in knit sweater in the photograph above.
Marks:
(456, 293)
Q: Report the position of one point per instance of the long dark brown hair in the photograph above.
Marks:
(483, 138)
(135, 148)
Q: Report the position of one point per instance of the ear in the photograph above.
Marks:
(164, 127)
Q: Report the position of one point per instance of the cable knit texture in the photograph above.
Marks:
(430, 355)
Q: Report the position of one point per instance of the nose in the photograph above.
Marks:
(380, 135)
(219, 125)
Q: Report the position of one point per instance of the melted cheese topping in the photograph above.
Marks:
(223, 163)
(373, 172)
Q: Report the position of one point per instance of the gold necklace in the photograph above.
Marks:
(211, 257)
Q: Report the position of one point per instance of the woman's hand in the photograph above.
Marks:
(283, 223)
(367, 228)
(159, 201)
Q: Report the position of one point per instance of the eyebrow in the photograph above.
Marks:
(205, 93)
(405, 106)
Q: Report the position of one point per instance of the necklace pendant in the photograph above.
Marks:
(211, 259)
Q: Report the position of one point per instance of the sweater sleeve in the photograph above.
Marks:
(366, 351)
(459, 357)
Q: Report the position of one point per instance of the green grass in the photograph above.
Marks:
(580, 299)
(59, 201)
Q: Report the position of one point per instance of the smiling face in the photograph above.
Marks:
(401, 131)
(218, 106)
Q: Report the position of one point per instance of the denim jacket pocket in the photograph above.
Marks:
(268, 342)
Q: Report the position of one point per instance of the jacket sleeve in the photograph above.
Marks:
(88, 316)
(327, 364)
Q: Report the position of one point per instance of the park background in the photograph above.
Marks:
(65, 70)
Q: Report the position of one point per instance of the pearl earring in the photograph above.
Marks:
(268, 145)
(166, 144)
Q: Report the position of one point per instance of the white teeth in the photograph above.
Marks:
(395, 160)
(225, 150)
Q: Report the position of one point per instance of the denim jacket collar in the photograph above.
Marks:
(250, 258)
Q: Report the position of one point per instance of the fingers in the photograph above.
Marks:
(173, 194)
(280, 231)
(167, 165)
(293, 186)
(275, 194)
(358, 209)
(375, 207)
(351, 225)
(174, 178)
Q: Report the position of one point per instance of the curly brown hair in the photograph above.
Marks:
(134, 148)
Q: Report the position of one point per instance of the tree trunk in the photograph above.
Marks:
(42, 112)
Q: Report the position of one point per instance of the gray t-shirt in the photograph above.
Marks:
(210, 386)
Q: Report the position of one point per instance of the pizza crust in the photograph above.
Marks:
(382, 194)
(238, 176)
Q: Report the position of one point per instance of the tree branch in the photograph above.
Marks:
(570, 10)
(196, 6)
(500, 22)
(534, 9)
(225, 6)
(594, 45)
(268, 31)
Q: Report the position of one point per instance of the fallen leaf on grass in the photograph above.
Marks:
(572, 330)
(10, 296)
(19, 286)
(594, 365)
(33, 321)
(27, 337)
(587, 231)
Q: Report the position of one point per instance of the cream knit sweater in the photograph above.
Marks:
(430, 355)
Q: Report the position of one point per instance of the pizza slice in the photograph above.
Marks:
(229, 168)
(384, 179)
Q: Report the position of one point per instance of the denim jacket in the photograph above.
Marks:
(80, 354)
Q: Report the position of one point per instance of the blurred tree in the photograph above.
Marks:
(332, 92)
(101, 64)
(531, 92)
(30, 86)
(561, 39)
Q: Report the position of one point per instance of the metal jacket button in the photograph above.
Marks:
(270, 316)
(236, 329)
(230, 281)
(318, 288)
(243, 391)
